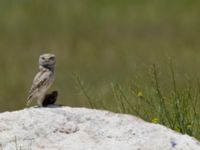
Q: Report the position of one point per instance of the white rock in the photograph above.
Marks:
(65, 128)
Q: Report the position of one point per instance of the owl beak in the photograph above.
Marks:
(46, 59)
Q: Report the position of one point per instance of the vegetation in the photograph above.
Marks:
(176, 108)
(107, 42)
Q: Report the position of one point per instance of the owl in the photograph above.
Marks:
(43, 79)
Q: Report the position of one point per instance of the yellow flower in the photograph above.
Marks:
(140, 94)
(154, 120)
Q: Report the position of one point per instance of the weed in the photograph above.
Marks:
(176, 108)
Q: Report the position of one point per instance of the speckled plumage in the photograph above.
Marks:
(43, 79)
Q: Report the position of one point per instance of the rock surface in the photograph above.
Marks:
(65, 128)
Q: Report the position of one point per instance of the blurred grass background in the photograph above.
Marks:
(103, 41)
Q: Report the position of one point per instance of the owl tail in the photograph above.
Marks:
(29, 100)
(28, 103)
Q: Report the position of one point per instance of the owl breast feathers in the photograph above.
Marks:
(43, 79)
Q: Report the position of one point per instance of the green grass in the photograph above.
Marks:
(176, 108)
(106, 42)
(103, 41)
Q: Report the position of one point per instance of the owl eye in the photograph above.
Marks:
(51, 58)
(43, 58)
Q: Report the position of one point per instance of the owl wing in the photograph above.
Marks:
(39, 81)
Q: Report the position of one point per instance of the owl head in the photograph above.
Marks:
(47, 61)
